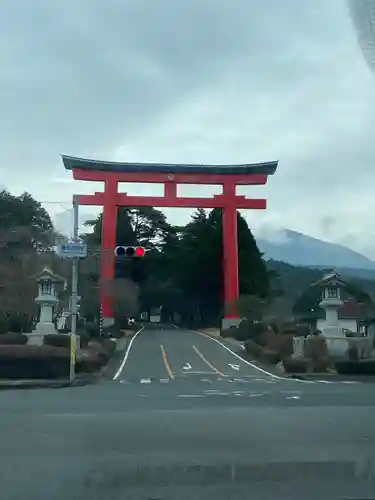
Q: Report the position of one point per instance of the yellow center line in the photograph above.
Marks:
(165, 361)
(207, 362)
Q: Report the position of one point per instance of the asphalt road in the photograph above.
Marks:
(178, 417)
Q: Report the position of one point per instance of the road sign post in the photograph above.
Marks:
(73, 333)
(74, 250)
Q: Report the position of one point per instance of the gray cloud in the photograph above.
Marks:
(197, 81)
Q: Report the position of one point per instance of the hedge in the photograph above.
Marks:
(13, 339)
(293, 365)
(25, 361)
(352, 367)
(17, 362)
(63, 340)
(57, 340)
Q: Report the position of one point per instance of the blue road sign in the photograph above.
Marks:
(72, 250)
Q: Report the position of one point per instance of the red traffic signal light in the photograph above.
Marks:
(139, 251)
(122, 251)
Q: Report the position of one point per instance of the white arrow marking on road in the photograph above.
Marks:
(187, 366)
(235, 367)
(145, 381)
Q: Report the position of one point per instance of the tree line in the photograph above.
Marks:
(181, 271)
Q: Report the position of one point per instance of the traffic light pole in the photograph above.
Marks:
(74, 299)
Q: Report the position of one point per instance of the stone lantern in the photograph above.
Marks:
(47, 300)
(330, 293)
(330, 288)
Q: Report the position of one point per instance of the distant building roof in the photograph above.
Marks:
(71, 162)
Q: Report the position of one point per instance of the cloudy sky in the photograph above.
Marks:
(200, 81)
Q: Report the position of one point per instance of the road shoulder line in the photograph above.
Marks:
(126, 355)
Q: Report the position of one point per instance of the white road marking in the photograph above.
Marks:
(145, 381)
(206, 380)
(190, 395)
(164, 380)
(235, 367)
(239, 357)
(197, 373)
(118, 373)
(293, 397)
(124, 382)
(187, 366)
(256, 394)
(213, 391)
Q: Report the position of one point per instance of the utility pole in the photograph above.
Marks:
(74, 299)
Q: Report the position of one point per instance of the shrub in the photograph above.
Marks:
(93, 330)
(225, 333)
(250, 330)
(13, 339)
(89, 362)
(252, 348)
(4, 323)
(269, 356)
(315, 347)
(19, 322)
(282, 343)
(108, 347)
(103, 349)
(293, 365)
(321, 365)
(84, 339)
(111, 331)
(228, 332)
(352, 353)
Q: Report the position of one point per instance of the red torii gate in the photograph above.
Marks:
(111, 173)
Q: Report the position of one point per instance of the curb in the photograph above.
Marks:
(48, 384)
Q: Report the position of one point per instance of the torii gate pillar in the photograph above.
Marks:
(228, 176)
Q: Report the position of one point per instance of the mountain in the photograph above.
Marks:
(301, 250)
(283, 245)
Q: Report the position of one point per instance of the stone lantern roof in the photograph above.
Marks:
(47, 275)
(330, 279)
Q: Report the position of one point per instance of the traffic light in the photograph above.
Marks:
(123, 252)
